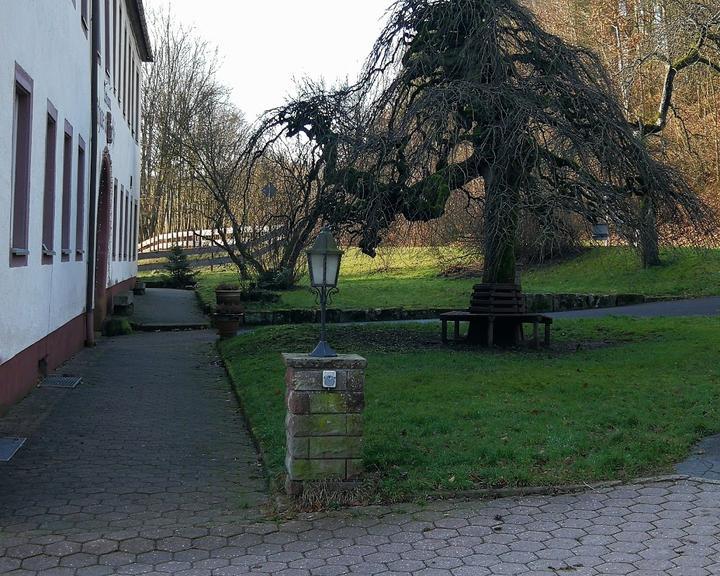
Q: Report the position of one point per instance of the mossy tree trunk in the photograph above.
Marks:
(649, 240)
(502, 199)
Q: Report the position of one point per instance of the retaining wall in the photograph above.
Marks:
(533, 302)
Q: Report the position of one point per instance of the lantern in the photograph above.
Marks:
(324, 268)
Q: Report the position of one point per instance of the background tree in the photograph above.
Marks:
(200, 170)
(288, 201)
(184, 64)
(262, 196)
(664, 61)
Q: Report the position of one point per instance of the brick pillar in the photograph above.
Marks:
(324, 427)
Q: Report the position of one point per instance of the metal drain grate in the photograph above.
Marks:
(57, 381)
(8, 447)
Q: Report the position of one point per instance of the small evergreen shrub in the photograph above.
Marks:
(178, 268)
(276, 279)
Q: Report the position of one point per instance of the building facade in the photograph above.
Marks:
(70, 93)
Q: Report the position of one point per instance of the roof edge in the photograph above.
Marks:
(136, 14)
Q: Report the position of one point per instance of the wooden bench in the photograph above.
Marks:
(492, 302)
(464, 316)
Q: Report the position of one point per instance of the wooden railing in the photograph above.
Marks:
(184, 239)
(199, 245)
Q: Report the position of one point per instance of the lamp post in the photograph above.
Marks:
(324, 267)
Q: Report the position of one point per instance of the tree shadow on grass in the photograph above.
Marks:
(408, 338)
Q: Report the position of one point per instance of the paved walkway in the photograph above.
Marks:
(704, 462)
(649, 529)
(162, 308)
(150, 444)
(694, 307)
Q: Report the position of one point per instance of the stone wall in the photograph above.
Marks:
(534, 303)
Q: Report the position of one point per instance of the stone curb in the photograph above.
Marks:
(285, 504)
(534, 303)
(171, 327)
(701, 480)
(496, 493)
(262, 457)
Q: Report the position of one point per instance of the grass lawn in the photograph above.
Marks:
(629, 400)
(684, 272)
(410, 278)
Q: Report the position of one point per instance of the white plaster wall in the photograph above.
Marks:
(124, 151)
(47, 39)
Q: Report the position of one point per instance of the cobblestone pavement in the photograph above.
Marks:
(643, 530)
(151, 440)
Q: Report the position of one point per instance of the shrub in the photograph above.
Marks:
(179, 269)
(276, 279)
(252, 293)
(116, 327)
(556, 235)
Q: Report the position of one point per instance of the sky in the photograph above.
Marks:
(264, 45)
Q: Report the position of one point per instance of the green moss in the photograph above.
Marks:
(116, 327)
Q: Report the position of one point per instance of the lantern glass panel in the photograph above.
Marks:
(316, 263)
(331, 270)
(600, 232)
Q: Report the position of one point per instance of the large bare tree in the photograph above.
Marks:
(261, 195)
(673, 37)
(202, 171)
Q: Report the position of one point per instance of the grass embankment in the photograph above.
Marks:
(409, 278)
(630, 401)
(684, 272)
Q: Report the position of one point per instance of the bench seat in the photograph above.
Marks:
(466, 316)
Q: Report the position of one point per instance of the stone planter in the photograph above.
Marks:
(227, 324)
(229, 302)
(122, 304)
(139, 288)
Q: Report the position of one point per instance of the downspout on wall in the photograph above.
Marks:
(92, 218)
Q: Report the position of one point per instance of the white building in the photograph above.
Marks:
(70, 89)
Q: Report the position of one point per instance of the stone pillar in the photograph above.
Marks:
(324, 426)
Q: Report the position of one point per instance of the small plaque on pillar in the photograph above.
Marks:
(329, 379)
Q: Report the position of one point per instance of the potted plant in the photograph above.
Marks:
(228, 298)
(227, 324)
